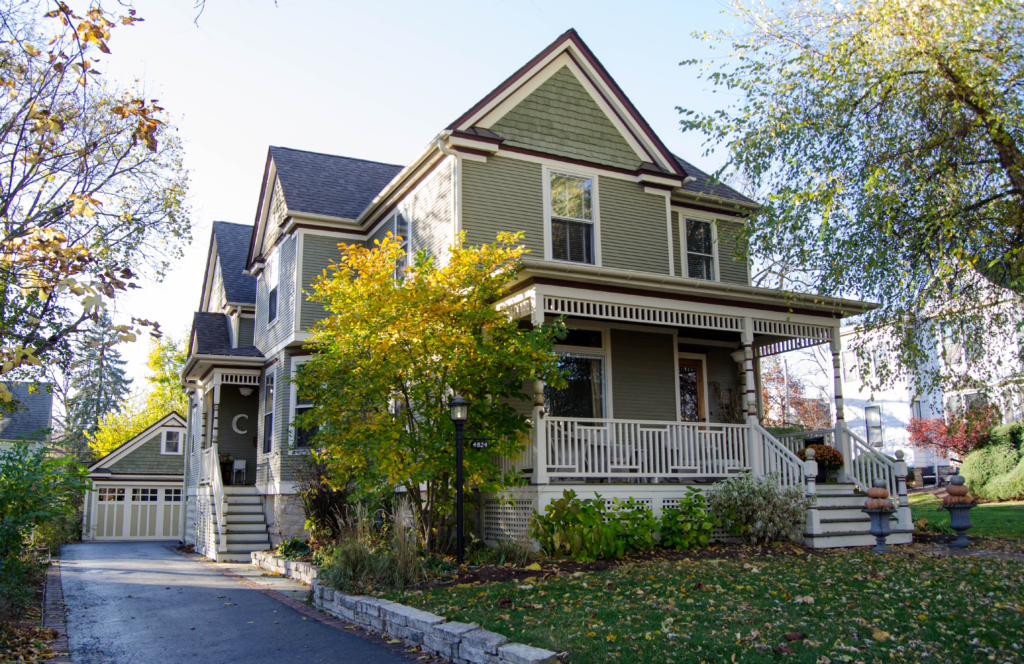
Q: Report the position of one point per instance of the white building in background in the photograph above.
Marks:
(881, 417)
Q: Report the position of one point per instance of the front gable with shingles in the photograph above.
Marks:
(143, 454)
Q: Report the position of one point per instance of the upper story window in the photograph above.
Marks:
(700, 250)
(171, 442)
(401, 232)
(873, 421)
(270, 273)
(851, 371)
(917, 410)
(572, 218)
(303, 435)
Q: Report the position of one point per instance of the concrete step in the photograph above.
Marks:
(834, 540)
(242, 500)
(246, 538)
(247, 548)
(235, 517)
(839, 489)
(850, 524)
(235, 508)
(246, 527)
(842, 512)
(841, 501)
(234, 557)
(240, 490)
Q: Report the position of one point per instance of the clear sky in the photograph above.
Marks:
(374, 80)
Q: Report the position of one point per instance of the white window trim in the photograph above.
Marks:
(273, 258)
(595, 207)
(293, 399)
(181, 442)
(263, 415)
(604, 352)
(685, 263)
(704, 372)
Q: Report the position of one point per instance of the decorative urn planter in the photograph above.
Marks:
(959, 504)
(879, 508)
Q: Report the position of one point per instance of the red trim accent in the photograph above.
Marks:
(382, 216)
(708, 209)
(270, 364)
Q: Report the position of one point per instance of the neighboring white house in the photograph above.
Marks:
(881, 417)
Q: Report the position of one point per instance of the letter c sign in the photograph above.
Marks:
(234, 424)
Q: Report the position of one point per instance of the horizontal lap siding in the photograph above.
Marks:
(239, 445)
(503, 195)
(147, 459)
(267, 338)
(634, 226)
(278, 465)
(195, 423)
(431, 213)
(318, 252)
(723, 375)
(246, 330)
(381, 232)
(643, 376)
(560, 117)
(733, 265)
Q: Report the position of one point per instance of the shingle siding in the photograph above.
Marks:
(147, 459)
(503, 195)
(634, 227)
(732, 265)
(562, 118)
(643, 376)
(275, 217)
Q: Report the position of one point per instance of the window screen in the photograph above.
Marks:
(700, 260)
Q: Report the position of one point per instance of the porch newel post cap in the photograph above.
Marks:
(809, 453)
(899, 455)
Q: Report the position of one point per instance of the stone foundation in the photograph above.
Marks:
(289, 519)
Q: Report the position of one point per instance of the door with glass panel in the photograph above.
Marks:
(578, 443)
(691, 390)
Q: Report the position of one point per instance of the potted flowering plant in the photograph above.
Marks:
(829, 459)
(226, 458)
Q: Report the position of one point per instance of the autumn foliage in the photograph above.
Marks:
(958, 434)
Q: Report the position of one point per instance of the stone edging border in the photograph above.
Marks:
(53, 615)
(462, 643)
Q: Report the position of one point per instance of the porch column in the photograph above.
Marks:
(842, 440)
(756, 460)
(216, 412)
(740, 358)
(540, 435)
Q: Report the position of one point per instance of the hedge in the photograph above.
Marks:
(996, 471)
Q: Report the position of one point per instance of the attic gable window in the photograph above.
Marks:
(270, 273)
(700, 250)
(572, 218)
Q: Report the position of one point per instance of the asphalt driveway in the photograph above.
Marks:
(141, 603)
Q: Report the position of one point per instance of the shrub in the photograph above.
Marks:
(690, 524)
(293, 548)
(758, 509)
(326, 507)
(634, 523)
(577, 527)
(827, 456)
(996, 470)
(507, 552)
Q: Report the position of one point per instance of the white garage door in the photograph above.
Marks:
(137, 512)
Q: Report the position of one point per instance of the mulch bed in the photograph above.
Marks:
(480, 574)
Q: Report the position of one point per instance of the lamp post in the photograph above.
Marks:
(458, 410)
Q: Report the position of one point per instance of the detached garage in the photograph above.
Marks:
(137, 489)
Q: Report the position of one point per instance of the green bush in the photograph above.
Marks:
(996, 471)
(293, 548)
(577, 527)
(758, 509)
(690, 524)
(634, 523)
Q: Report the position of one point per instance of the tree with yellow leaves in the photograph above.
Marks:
(92, 185)
(393, 351)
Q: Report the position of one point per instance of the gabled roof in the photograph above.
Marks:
(232, 246)
(31, 421)
(171, 419)
(329, 185)
(702, 184)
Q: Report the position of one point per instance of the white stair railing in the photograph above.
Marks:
(777, 457)
(795, 441)
(210, 473)
(867, 464)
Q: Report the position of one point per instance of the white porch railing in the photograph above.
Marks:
(777, 457)
(634, 449)
(209, 473)
(795, 441)
(867, 464)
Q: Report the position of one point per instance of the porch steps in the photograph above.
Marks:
(246, 526)
(844, 524)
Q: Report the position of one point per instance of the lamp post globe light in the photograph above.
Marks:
(458, 410)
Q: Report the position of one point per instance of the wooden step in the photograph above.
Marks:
(834, 540)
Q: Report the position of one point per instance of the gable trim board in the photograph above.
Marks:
(569, 49)
(171, 421)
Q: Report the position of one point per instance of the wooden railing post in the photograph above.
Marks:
(813, 525)
(540, 435)
(906, 521)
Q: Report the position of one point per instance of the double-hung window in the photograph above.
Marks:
(851, 370)
(572, 218)
(268, 413)
(303, 435)
(917, 410)
(270, 272)
(700, 250)
(172, 442)
(402, 236)
(584, 394)
(873, 421)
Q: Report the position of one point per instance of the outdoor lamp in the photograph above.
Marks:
(458, 409)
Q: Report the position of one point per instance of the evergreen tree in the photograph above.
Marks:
(99, 382)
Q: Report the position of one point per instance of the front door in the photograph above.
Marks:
(691, 390)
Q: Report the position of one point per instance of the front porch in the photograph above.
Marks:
(664, 392)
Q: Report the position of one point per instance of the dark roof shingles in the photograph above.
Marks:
(701, 184)
(233, 249)
(325, 184)
(31, 421)
(211, 331)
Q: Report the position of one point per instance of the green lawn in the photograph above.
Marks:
(1004, 520)
(841, 606)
